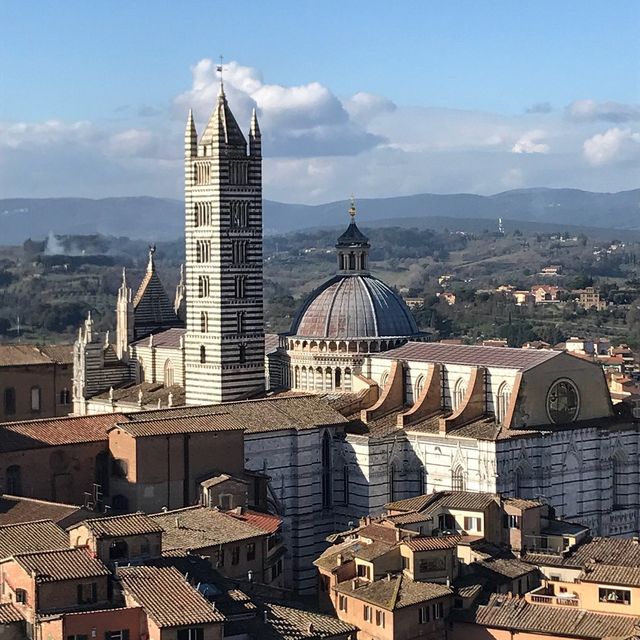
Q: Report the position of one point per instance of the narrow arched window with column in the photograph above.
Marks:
(326, 470)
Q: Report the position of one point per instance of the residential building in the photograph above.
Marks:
(546, 293)
(35, 382)
(244, 545)
(589, 298)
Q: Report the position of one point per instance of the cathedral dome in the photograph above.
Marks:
(354, 306)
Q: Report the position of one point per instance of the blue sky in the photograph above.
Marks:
(104, 70)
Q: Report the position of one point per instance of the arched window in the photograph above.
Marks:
(9, 401)
(168, 373)
(417, 390)
(459, 392)
(422, 481)
(65, 396)
(457, 479)
(338, 378)
(326, 470)
(392, 482)
(617, 484)
(204, 322)
(203, 286)
(242, 353)
(345, 484)
(383, 379)
(14, 480)
(502, 402)
(203, 354)
(35, 399)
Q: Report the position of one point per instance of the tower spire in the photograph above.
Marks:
(352, 208)
(190, 136)
(219, 69)
(151, 267)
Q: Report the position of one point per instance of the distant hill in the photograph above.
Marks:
(162, 219)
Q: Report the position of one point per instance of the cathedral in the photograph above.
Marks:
(403, 416)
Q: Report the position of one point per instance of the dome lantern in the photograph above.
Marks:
(352, 248)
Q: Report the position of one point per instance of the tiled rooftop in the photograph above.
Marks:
(611, 574)
(394, 593)
(466, 500)
(510, 568)
(287, 623)
(516, 614)
(505, 357)
(265, 414)
(16, 509)
(180, 424)
(31, 536)
(123, 525)
(62, 564)
(271, 342)
(152, 392)
(200, 527)
(167, 339)
(433, 543)
(12, 355)
(379, 532)
(266, 522)
(9, 614)
(621, 552)
(51, 432)
(166, 597)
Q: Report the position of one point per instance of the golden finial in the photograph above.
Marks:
(352, 208)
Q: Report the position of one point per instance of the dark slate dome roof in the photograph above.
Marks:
(354, 306)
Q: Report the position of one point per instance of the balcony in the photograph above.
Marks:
(543, 595)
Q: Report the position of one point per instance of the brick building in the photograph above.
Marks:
(35, 382)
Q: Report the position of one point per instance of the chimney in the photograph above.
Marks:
(388, 577)
(354, 584)
(398, 535)
(339, 559)
(177, 522)
(636, 540)
(310, 628)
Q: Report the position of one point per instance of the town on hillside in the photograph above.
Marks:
(355, 436)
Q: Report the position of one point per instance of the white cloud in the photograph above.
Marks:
(590, 111)
(614, 145)
(530, 143)
(298, 121)
(363, 106)
(321, 147)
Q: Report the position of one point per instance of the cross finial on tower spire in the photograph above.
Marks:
(352, 208)
(219, 70)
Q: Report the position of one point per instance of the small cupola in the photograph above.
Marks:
(352, 247)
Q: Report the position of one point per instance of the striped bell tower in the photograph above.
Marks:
(224, 342)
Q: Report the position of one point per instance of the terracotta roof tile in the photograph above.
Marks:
(14, 355)
(61, 564)
(200, 527)
(611, 574)
(506, 357)
(516, 614)
(506, 567)
(181, 424)
(9, 614)
(51, 432)
(25, 537)
(470, 500)
(166, 598)
(130, 524)
(433, 543)
(379, 532)
(287, 623)
(395, 593)
(271, 342)
(266, 522)
(262, 415)
(17, 509)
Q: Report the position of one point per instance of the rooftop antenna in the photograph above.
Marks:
(500, 226)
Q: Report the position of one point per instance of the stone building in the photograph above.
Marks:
(144, 366)
(224, 342)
